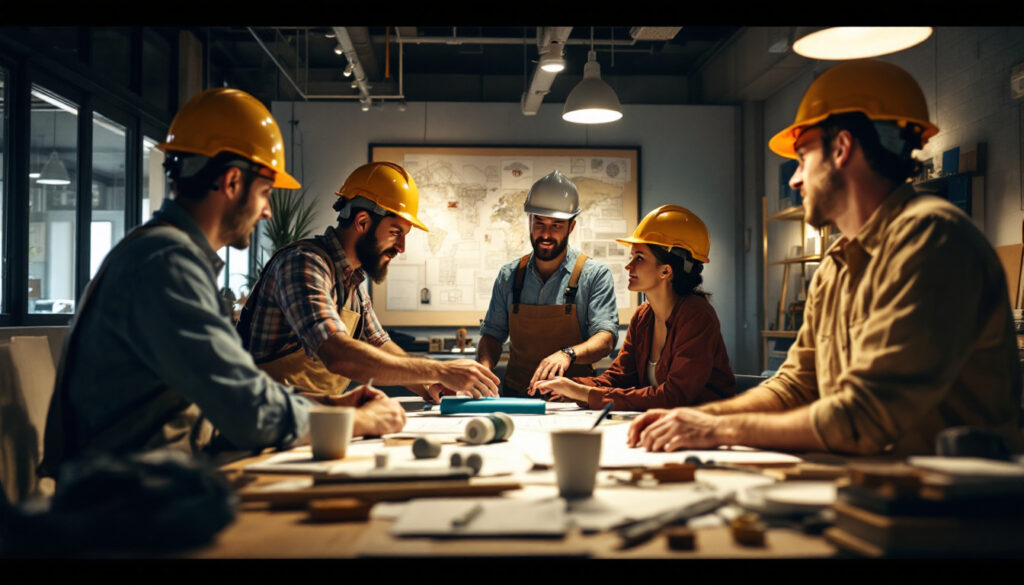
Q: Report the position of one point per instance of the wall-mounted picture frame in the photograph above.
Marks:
(471, 198)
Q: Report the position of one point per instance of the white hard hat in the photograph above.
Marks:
(554, 195)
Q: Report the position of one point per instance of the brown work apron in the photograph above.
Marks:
(165, 420)
(537, 331)
(295, 368)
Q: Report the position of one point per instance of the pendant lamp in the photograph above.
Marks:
(859, 42)
(592, 101)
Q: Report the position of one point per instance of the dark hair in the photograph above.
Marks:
(896, 167)
(193, 176)
(683, 283)
(375, 218)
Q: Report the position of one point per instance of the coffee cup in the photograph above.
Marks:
(577, 456)
(330, 430)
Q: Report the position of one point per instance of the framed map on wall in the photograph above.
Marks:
(471, 198)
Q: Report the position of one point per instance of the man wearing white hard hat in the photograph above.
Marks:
(907, 330)
(555, 306)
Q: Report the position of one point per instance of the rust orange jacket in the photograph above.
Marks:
(693, 366)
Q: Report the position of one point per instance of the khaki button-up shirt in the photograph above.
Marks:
(907, 331)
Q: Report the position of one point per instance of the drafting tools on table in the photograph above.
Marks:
(642, 531)
(296, 494)
(482, 517)
(711, 464)
(604, 413)
(378, 474)
(492, 428)
(624, 415)
(467, 516)
(463, 405)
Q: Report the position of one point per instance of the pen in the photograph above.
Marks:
(604, 413)
(466, 517)
(642, 531)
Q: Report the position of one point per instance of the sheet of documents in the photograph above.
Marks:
(615, 454)
(456, 517)
(498, 459)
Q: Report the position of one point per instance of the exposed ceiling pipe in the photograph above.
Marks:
(276, 62)
(350, 53)
(502, 41)
(549, 40)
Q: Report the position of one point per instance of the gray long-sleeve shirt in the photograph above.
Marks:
(156, 322)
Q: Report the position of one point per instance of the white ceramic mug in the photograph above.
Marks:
(330, 430)
(577, 456)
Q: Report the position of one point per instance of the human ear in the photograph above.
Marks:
(842, 148)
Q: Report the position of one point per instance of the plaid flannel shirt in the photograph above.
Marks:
(299, 304)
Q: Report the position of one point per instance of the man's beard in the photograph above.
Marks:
(558, 248)
(827, 201)
(374, 261)
(234, 223)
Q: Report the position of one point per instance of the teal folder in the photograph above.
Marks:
(461, 405)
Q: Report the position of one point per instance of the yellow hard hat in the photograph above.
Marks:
(673, 226)
(882, 91)
(389, 186)
(225, 119)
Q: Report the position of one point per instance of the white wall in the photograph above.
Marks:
(688, 156)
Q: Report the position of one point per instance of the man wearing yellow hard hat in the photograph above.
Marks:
(907, 330)
(309, 320)
(151, 359)
(555, 306)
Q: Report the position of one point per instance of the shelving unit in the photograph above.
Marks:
(777, 330)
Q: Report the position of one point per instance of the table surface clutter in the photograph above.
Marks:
(500, 498)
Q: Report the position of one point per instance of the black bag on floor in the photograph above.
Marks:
(158, 502)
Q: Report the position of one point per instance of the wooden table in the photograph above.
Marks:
(261, 532)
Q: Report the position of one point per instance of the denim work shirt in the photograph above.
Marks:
(595, 300)
(156, 321)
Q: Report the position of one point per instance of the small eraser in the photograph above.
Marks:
(680, 538)
(426, 448)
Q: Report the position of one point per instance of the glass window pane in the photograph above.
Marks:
(109, 153)
(53, 151)
(154, 180)
(3, 187)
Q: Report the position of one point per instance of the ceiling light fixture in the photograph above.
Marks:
(552, 63)
(592, 101)
(338, 50)
(54, 172)
(858, 42)
(348, 70)
(365, 105)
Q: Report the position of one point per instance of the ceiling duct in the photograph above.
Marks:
(550, 41)
(358, 75)
(654, 33)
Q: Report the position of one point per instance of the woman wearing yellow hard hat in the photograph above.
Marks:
(673, 354)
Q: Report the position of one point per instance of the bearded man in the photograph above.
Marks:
(309, 321)
(556, 306)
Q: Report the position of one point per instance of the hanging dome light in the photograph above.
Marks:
(54, 172)
(840, 43)
(592, 101)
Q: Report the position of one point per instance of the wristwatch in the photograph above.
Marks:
(569, 351)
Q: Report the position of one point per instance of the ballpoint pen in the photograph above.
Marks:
(604, 413)
(642, 531)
